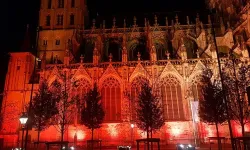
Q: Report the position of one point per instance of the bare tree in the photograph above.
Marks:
(92, 115)
(65, 107)
(149, 112)
(236, 81)
(43, 108)
(213, 99)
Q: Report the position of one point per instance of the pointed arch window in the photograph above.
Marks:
(111, 100)
(172, 99)
(81, 88)
(135, 90)
(195, 90)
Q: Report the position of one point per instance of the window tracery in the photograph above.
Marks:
(195, 89)
(135, 90)
(111, 100)
(172, 102)
(82, 86)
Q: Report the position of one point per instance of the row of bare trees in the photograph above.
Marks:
(214, 108)
(53, 106)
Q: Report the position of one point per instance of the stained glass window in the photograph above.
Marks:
(172, 99)
(111, 100)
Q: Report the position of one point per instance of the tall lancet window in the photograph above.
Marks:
(136, 87)
(172, 98)
(81, 88)
(111, 100)
(195, 90)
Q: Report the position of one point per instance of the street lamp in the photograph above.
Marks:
(132, 127)
(23, 120)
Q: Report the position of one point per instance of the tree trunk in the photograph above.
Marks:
(62, 133)
(38, 139)
(151, 138)
(92, 139)
(38, 133)
(243, 133)
(218, 137)
(147, 138)
(242, 129)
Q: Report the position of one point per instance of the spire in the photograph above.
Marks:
(81, 58)
(103, 24)
(176, 19)
(135, 21)
(93, 24)
(156, 20)
(114, 22)
(110, 57)
(138, 56)
(124, 23)
(26, 45)
(166, 21)
(188, 20)
(167, 54)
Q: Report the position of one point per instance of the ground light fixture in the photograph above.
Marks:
(124, 147)
(185, 147)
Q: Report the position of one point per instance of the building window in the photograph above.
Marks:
(83, 86)
(72, 19)
(195, 90)
(111, 100)
(49, 4)
(44, 42)
(60, 3)
(59, 19)
(72, 3)
(136, 87)
(172, 102)
(18, 68)
(57, 42)
(48, 20)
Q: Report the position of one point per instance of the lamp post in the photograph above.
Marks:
(221, 78)
(23, 119)
(132, 130)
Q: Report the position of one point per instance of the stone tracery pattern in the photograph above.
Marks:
(111, 99)
(80, 89)
(172, 101)
(178, 83)
(136, 86)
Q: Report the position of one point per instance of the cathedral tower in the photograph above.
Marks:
(58, 19)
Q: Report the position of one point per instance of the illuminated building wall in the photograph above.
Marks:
(170, 57)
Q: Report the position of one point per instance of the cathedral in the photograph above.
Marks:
(169, 56)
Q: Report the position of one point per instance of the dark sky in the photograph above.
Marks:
(23, 12)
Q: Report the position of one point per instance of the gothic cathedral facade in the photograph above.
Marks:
(171, 57)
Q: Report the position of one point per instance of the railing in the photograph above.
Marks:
(144, 63)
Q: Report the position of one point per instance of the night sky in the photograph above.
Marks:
(23, 12)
